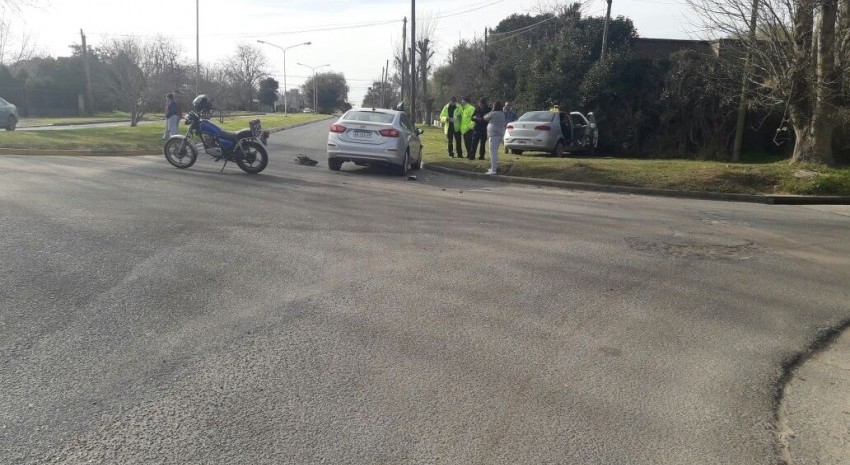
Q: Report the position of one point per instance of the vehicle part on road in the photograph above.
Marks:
(12, 123)
(180, 152)
(334, 165)
(305, 160)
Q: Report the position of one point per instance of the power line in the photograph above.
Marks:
(519, 32)
(468, 11)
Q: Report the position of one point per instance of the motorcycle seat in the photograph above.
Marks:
(234, 136)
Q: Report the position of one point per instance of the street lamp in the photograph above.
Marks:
(285, 90)
(315, 94)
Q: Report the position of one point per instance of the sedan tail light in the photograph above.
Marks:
(390, 132)
(543, 128)
(338, 128)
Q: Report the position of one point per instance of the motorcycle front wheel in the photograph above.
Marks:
(180, 152)
(254, 157)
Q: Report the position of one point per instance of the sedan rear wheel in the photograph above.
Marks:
(405, 165)
(334, 165)
(12, 123)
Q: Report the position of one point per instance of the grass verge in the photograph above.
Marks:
(765, 177)
(145, 136)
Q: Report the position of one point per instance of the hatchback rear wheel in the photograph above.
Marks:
(12, 123)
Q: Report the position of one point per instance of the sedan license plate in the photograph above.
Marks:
(361, 134)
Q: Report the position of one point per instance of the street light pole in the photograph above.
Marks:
(197, 45)
(315, 92)
(285, 89)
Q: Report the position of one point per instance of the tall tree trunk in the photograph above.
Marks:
(814, 130)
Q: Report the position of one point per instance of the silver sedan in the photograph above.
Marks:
(375, 137)
(8, 115)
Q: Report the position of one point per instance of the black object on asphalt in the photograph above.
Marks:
(305, 160)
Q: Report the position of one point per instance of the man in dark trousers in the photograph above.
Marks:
(479, 132)
(450, 117)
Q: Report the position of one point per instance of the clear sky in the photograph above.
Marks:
(354, 36)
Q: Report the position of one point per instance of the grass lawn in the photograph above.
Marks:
(145, 136)
(757, 177)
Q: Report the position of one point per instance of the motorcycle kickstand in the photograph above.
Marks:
(223, 166)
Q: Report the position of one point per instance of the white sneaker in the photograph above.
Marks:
(490, 172)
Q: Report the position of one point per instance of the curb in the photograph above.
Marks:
(769, 199)
(120, 153)
(82, 123)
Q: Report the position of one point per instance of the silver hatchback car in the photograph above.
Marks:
(375, 136)
(8, 115)
(553, 132)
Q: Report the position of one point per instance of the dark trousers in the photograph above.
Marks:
(454, 138)
(467, 141)
(478, 141)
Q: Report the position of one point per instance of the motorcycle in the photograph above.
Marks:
(246, 147)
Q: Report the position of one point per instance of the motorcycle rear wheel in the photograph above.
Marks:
(180, 152)
(253, 158)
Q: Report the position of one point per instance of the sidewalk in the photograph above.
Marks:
(816, 408)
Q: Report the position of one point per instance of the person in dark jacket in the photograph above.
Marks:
(172, 116)
(479, 135)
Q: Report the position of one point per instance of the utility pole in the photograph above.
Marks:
(403, 57)
(89, 109)
(605, 31)
(745, 88)
(413, 60)
(386, 82)
(383, 74)
(197, 46)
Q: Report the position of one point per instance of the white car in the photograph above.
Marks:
(553, 132)
(375, 137)
(8, 115)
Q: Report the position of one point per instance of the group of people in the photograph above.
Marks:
(469, 126)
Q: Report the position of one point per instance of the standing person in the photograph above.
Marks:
(450, 117)
(479, 136)
(510, 113)
(496, 131)
(466, 124)
(172, 117)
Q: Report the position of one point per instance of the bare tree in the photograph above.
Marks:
(799, 56)
(14, 45)
(245, 68)
(141, 72)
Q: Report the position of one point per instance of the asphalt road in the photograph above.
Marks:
(156, 315)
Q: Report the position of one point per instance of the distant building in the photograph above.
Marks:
(294, 100)
(661, 49)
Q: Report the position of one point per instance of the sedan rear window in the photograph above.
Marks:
(537, 116)
(369, 117)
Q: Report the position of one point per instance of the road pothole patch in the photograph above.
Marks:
(696, 245)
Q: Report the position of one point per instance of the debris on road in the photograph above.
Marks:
(305, 160)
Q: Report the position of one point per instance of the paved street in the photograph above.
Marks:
(156, 315)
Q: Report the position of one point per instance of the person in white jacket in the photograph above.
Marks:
(496, 132)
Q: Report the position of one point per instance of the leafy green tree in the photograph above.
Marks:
(331, 89)
(268, 91)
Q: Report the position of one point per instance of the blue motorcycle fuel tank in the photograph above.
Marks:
(206, 127)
